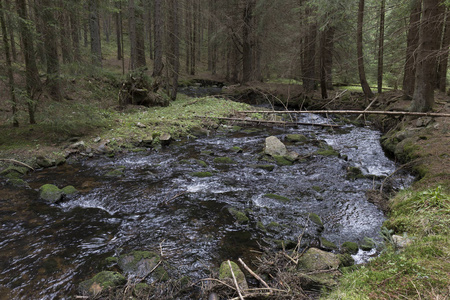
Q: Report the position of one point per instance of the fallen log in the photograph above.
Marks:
(270, 122)
(351, 112)
(17, 162)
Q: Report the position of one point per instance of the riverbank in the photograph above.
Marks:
(420, 270)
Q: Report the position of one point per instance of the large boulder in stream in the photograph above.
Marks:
(274, 147)
(50, 193)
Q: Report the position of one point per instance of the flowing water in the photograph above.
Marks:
(158, 204)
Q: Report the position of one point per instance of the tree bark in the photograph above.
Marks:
(94, 28)
(158, 27)
(132, 34)
(309, 55)
(247, 43)
(174, 46)
(140, 35)
(11, 82)
(193, 43)
(412, 44)
(443, 58)
(188, 33)
(10, 25)
(359, 44)
(74, 29)
(33, 82)
(323, 69)
(51, 49)
(118, 21)
(381, 48)
(423, 98)
(66, 42)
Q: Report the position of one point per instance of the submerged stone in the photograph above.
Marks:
(50, 193)
(238, 215)
(202, 174)
(141, 264)
(69, 191)
(224, 160)
(327, 245)
(44, 162)
(265, 167)
(282, 161)
(101, 281)
(350, 247)
(327, 151)
(277, 197)
(367, 244)
(296, 138)
(316, 260)
(346, 260)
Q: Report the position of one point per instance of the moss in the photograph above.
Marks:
(350, 247)
(202, 174)
(223, 160)
(115, 173)
(201, 163)
(261, 226)
(282, 161)
(296, 138)
(238, 215)
(367, 244)
(161, 274)
(354, 173)
(315, 219)
(50, 193)
(236, 149)
(225, 272)
(14, 172)
(327, 151)
(69, 190)
(317, 188)
(273, 225)
(346, 260)
(17, 182)
(327, 244)
(101, 281)
(277, 197)
(265, 167)
(111, 260)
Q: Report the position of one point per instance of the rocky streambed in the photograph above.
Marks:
(193, 204)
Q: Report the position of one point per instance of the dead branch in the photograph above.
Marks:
(255, 275)
(17, 162)
(270, 122)
(352, 112)
(235, 281)
(367, 108)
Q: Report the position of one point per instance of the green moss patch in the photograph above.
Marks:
(282, 161)
(277, 197)
(349, 247)
(327, 151)
(50, 193)
(239, 216)
(224, 160)
(202, 174)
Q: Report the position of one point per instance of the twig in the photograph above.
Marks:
(270, 122)
(235, 281)
(373, 101)
(254, 274)
(17, 162)
(214, 279)
(336, 97)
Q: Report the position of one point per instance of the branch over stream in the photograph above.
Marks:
(269, 122)
(350, 112)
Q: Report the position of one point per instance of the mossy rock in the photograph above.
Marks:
(50, 193)
(367, 244)
(18, 183)
(141, 263)
(69, 191)
(285, 244)
(236, 149)
(277, 197)
(202, 174)
(346, 260)
(350, 247)
(354, 173)
(201, 163)
(224, 160)
(316, 260)
(261, 226)
(118, 172)
(111, 260)
(273, 226)
(100, 282)
(14, 172)
(44, 162)
(265, 167)
(296, 138)
(328, 245)
(238, 215)
(225, 274)
(282, 160)
(327, 151)
(315, 219)
(317, 188)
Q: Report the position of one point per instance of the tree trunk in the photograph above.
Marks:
(39, 25)
(328, 59)
(412, 43)
(188, 33)
(51, 49)
(174, 46)
(75, 30)
(11, 82)
(66, 43)
(33, 82)
(132, 34)
(423, 98)
(323, 69)
(309, 55)
(158, 27)
(94, 28)
(118, 21)
(381, 48)
(149, 9)
(359, 44)
(247, 44)
(11, 27)
(443, 58)
(140, 35)
(194, 37)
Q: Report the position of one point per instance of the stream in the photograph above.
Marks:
(159, 204)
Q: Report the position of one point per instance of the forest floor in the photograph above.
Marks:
(90, 114)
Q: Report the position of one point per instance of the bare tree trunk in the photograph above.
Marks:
(194, 37)
(118, 21)
(132, 34)
(66, 43)
(75, 30)
(328, 59)
(11, 82)
(149, 17)
(188, 33)
(174, 46)
(443, 58)
(359, 44)
(33, 82)
(247, 47)
(94, 28)
(39, 25)
(51, 49)
(423, 98)
(11, 27)
(158, 27)
(323, 69)
(381, 48)
(412, 44)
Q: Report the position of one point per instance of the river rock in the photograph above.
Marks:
(14, 172)
(400, 241)
(44, 162)
(367, 244)
(50, 193)
(296, 138)
(69, 191)
(349, 247)
(101, 281)
(316, 260)
(225, 274)
(165, 139)
(274, 147)
(141, 264)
